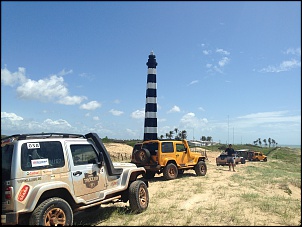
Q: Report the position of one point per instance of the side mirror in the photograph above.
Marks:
(100, 159)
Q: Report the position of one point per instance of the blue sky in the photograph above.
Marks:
(229, 70)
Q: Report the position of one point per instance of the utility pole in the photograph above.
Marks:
(228, 130)
(233, 135)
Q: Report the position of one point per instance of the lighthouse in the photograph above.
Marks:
(150, 126)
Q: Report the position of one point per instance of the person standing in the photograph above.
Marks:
(231, 157)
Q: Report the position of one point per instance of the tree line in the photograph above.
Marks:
(269, 141)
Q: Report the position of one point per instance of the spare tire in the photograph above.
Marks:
(142, 156)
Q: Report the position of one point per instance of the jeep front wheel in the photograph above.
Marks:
(201, 168)
(138, 196)
(170, 171)
(53, 211)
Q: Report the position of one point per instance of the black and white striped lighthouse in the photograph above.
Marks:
(150, 127)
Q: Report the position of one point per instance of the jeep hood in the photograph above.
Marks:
(124, 165)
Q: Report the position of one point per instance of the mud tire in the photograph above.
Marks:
(170, 171)
(53, 211)
(138, 196)
(200, 168)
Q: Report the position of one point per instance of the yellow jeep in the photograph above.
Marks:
(257, 156)
(170, 157)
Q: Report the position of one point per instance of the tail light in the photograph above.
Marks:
(8, 192)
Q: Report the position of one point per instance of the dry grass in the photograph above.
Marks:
(257, 194)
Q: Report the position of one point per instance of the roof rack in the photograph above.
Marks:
(41, 136)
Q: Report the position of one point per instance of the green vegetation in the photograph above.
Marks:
(258, 194)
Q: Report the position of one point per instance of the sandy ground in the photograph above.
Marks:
(219, 177)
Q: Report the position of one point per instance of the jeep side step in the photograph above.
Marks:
(98, 142)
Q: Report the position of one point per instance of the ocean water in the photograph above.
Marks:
(291, 146)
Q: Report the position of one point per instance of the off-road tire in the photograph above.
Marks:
(265, 159)
(138, 196)
(53, 211)
(170, 171)
(142, 156)
(200, 168)
(242, 160)
(149, 175)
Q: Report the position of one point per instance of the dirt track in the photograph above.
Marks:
(219, 193)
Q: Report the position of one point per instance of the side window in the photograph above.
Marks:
(83, 154)
(180, 148)
(167, 147)
(42, 155)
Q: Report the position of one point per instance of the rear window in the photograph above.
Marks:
(7, 154)
(42, 155)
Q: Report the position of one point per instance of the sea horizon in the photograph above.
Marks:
(289, 145)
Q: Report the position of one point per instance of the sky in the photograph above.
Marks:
(228, 70)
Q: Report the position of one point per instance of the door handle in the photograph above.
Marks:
(77, 173)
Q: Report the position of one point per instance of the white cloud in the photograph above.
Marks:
(63, 72)
(11, 116)
(43, 90)
(51, 89)
(221, 51)
(193, 82)
(206, 52)
(95, 118)
(116, 112)
(90, 105)
(190, 121)
(293, 51)
(71, 100)
(11, 79)
(284, 66)
(138, 114)
(223, 61)
(174, 109)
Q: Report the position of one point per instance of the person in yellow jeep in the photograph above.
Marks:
(230, 159)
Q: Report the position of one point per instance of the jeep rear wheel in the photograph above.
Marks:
(142, 156)
(138, 196)
(265, 159)
(170, 171)
(242, 160)
(201, 168)
(53, 211)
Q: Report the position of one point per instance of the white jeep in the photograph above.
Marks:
(48, 177)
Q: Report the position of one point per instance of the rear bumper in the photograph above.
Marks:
(9, 218)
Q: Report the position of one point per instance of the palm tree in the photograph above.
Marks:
(274, 142)
(161, 137)
(167, 135)
(264, 141)
(171, 134)
(269, 142)
(259, 141)
(183, 134)
(176, 130)
(209, 138)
